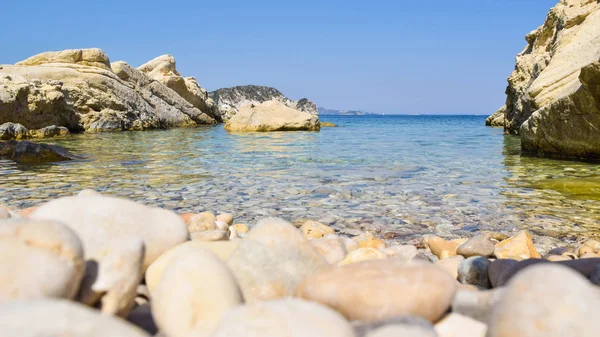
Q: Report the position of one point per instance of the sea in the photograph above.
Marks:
(396, 175)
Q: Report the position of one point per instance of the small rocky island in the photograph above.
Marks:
(553, 96)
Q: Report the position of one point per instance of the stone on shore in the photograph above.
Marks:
(10, 131)
(52, 317)
(272, 116)
(39, 259)
(474, 270)
(479, 245)
(476, 304)
(209, 236)
(402, 330)
(289, 318)
(118, 276)
(204, 221)
(451, 265)
(518, 247)
(225, 217)
(403, 252)
(585, 267)
(367, 240)
(221, 249)
(98, 220)
(193, 294)
(363, 254)
(547, 300)
(499, 267)
(315, 230)
(331, 247)
(382, 289)
(272, 259)
(441, 247)
(457, 325)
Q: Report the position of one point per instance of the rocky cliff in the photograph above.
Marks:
(230, 100)
(82, 90)
(553, 95)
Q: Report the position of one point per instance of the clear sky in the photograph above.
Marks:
(389, 56)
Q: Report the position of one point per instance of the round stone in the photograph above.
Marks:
(474, 270)
(382, 289)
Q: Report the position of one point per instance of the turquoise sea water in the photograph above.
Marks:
(396, 175)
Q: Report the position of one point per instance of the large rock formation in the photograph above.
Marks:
(230, 100)
(272, 116)
(82, 90)
(553, 96)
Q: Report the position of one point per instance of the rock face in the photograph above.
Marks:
(553, 96)
(497, 118)
(81, 90)
(34, 153)
(272, 116)
(230, 100)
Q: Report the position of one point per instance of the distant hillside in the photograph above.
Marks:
(324, 111)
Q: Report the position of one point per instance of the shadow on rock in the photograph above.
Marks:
(26, 152)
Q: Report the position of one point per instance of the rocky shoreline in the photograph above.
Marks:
(118, 264)
(553, 94)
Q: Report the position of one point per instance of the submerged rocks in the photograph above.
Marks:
(49, 317)
(547, 300)
(272, 116)
(81, 90)
(289, 318)
(378, 290)
(553, 94)
(10, 131)
(39, 259)
(272, 259)
(34, 153)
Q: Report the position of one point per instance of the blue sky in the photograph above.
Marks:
(382, 56)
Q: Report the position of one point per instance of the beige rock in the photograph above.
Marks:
(204, 221)
(479, 245)
(367, 240)
(225, 217)
(350, 244)
(241, 228)
(457, 325)
(118, 276)
(193, 294)
(382, 289)
(518, 247)
(99, 219)
(451, 265)
(51, 317)
(163, 70)
(476, 304)
(272, 259)
(285, 318)
(547, 300)
(438, 246)
(315, 230)
(497, 118)
(331, 247)
(30, 252)
(363, 254)
(81, 90)
(403, 252)
(222, 225)
(222, 249)
(589, 256)
(397, 330)
(552, 97)
(209, 235)
(271, 116)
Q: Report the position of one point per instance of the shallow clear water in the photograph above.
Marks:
(400, 175)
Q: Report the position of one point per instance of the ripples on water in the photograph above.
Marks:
(404, 175)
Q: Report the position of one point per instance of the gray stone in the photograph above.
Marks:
(474, 270)
(479, 245)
